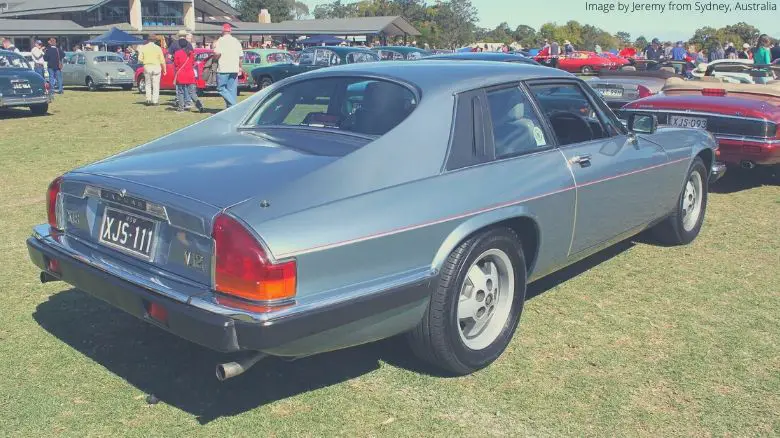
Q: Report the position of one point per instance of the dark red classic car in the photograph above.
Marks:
(743, 117)
(580, 62)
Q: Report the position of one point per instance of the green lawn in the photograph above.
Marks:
(639, 340)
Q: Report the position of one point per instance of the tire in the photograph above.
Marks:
(586, 70)
(141, 85)
(90, 84)
(39, 109)
(265, 82)
(680, 228)
(455, 344)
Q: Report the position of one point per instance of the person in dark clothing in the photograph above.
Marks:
(555, 52)
(654, 52)
(53, 57)
(775, 52)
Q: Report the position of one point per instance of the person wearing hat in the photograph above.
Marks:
(654, 52)
(39, 65)
(150, 55)
(745, 53)
(228, 53)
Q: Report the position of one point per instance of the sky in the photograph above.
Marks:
(666, 24)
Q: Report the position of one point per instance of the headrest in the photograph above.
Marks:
(669, 69)
(628, 68)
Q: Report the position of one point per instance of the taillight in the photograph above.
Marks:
(713, 92)
(242, 268)
(643, 91)
(53, 203)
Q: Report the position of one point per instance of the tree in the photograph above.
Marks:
(623, 37)
(280, 10)
(746, 32)
(300, 10)
(456, 20)
(337, 9)
(641, 42)
(525, 35)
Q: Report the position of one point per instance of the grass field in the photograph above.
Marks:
(637, 341)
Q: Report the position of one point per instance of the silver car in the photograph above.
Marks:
(353, 203)
(96, 70)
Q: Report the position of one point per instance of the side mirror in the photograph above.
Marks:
(642, 123)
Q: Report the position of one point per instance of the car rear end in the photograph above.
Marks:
(746, 126)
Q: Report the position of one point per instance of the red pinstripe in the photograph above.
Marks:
(468, 213)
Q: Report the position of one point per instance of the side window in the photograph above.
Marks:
(414, 55)
(306, 58)
(468, 142)
(572, 116)
(250, 57)
(81, 59)
(516, 127)
(322, 57)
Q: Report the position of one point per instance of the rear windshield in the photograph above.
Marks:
(109, 58)
(348, 104)
(12, 60)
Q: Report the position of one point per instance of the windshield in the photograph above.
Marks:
(12, 60)
(279, 57)
(349, 104)
(356, 57)
(109, 58)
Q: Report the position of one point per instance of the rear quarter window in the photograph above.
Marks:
(349, 104)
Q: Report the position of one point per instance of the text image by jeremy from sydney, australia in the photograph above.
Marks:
(680, 6)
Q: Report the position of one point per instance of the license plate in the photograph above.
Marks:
(128, 232)
(21, 86)
(611, 92)
(688, 122)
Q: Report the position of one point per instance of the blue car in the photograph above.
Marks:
(20, 86)
(350, 204)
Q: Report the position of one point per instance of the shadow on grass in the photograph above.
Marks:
(737, 180)
(181, 373)
(19, 113)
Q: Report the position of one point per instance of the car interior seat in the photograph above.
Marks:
(513, 132)
(384, 106)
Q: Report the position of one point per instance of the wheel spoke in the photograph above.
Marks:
(477, 277)
(467, 307)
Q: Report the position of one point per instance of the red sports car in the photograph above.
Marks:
(166, 82)
(618, 61)
(743, 117)
(579, 62)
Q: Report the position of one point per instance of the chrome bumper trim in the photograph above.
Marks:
(717, 171)
(23, 101)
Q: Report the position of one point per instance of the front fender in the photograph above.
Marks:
(479, 222)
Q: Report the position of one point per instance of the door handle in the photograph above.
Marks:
(582, 160)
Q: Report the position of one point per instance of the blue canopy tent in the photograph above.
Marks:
(322, 39)
(115, 37)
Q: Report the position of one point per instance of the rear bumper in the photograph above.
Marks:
(23, 101)
(201, 319)
(717, 171)
(114, 82)
(734, 150)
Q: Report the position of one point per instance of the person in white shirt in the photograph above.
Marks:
(8, 45)
(228, 53)
(37, 56)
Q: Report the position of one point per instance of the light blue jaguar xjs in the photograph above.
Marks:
(355, 203)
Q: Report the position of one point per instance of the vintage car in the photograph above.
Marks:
(21, 86)
(96, 70)
(482, 56)
(617, 61)
(619, 87)
(202, 57)
(254, 58)
(400, 53)
(359, 202)
(579, 62)
(735, 71)
(312, 58)
(743, 117)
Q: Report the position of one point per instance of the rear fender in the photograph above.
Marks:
(478, 223)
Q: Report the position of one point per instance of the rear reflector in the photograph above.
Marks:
(713, 92)
(157, 312)
(54, 266)
(52, 203)
(244, 270)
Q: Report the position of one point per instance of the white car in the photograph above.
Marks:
(735, 77)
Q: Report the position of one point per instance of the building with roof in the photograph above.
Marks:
(77, 20)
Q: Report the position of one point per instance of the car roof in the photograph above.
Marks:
(477, 56)
(446, 75)
(7, 52)
(343, 50)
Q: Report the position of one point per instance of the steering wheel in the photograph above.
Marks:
(564, 118)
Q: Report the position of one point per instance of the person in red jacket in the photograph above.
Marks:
(184, 77)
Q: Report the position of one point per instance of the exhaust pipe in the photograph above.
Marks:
(232, 369)
(46, 277)
(748, 164)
